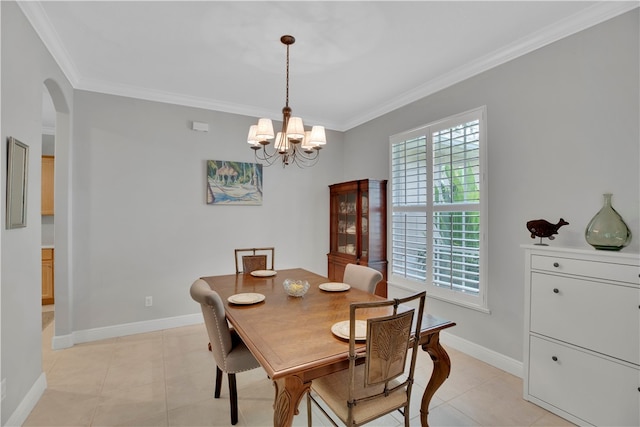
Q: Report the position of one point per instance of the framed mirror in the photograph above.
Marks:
(17, 173)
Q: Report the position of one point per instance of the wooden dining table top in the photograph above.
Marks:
(292, 335)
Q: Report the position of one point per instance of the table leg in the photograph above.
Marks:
(289, 393)
(441, 369)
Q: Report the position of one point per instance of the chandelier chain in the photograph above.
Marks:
(287, 97)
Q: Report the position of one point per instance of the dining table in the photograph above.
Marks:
(292, 338)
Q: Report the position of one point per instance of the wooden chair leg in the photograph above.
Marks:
(218, 382)
(405, 412)
(233, 398)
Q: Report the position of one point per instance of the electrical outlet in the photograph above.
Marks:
(148, 301)
(3, 389)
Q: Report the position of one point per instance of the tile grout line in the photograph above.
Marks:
(464, 393)
(104, 380)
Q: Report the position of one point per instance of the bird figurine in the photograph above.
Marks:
(543, 228)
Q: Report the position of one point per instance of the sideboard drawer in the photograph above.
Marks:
(599, 270)
(595, 389)
(588, 314)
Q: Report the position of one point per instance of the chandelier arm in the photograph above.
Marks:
(306, 163)
(266, 156)
(269, 160)
(308, 156)
(301, 160)
(297, 156)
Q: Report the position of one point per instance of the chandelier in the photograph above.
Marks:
(293, 144)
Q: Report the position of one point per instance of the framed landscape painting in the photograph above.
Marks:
(234, 183)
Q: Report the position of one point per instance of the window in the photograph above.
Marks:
(437, 209)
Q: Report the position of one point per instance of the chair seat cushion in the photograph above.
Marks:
(334, 391)
(239, 358)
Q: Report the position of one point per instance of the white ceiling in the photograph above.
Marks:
(352, 61)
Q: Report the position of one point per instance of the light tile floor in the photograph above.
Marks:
(166, 378)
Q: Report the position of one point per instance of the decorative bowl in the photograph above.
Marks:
(295, 288)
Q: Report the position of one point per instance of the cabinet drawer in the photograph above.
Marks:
(47, 254)
(618, 272)
(599, 316)
(594, 389)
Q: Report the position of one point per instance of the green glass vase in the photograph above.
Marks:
(607, 230)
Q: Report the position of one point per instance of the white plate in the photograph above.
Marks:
(248, 298)
(334, 287)
(341, 329)
(263, 273)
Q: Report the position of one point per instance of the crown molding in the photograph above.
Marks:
(147, 94)
(589, 17)
(40, 22)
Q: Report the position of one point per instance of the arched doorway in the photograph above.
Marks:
(61, 224)
(47, 218)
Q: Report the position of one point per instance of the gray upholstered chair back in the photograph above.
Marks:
(214, 320)
(362, 277)
(229, 351)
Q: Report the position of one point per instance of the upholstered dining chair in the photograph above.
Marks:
(362, 277)
(251, 259)
(382, 383)
(229, 351)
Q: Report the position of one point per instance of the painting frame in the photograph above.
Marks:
(234, 183)
(17, 177)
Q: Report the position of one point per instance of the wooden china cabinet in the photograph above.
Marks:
(358, 228)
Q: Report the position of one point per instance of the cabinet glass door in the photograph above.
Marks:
(347, 216)
(364, 224)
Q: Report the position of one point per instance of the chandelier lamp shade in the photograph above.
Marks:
(293, 144)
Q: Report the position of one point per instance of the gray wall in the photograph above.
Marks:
(26, 64)
(562, 130)
(140, 215)
(48, 145)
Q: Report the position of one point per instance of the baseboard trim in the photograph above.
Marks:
(96, 334)
(29, 402)
(62, 341)
(484, 354)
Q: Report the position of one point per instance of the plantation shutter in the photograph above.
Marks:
(436, 210)
(409, 220)
(456, 198)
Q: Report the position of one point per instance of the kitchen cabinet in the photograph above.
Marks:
(582, 334)
(47, 276)
(358, 228)
(47, 185)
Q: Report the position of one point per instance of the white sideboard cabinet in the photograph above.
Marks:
(582, 334)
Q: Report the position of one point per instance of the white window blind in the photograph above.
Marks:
(437, 187)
